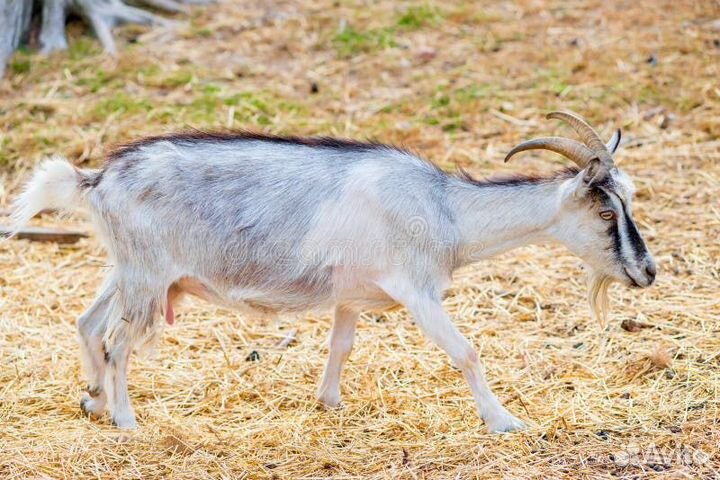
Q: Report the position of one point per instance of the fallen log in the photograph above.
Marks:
(42, 234)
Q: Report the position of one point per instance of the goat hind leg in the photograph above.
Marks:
(131, 322)
(116, 386)
(91, 329)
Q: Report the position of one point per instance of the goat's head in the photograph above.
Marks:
(596, 221)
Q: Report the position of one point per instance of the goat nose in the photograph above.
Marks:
(651, 271)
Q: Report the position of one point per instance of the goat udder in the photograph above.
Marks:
(169, 313)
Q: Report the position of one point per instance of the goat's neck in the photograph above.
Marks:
(493, 218)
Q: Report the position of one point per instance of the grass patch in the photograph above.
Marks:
(101, 79)
(352, 41)
(121, 103)
(20, 64)
(257, 108)
(417, 17)
(554, 80)
(261, 107)
(83, 47)
(473, 92)
(349, 41)
(461, 97)
(4, 157)
(176, 79)
(484, 17)
(450, 107)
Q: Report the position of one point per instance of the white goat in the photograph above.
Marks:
(291, 224)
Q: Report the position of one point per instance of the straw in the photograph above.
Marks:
(460, 83)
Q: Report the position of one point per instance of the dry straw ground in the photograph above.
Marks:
(459, 82)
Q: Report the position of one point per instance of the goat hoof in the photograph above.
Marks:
(125, 422)
(91, 407)
(505, 424)
(330, 400)
(83, 407)
(94, 392)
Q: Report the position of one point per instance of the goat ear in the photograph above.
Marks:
(614, 142)
(594, 172)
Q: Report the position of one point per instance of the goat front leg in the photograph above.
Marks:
(436, 325)
(342, 337)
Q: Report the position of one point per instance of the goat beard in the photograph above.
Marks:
(598, 285)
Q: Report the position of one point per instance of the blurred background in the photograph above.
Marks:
(458, 81)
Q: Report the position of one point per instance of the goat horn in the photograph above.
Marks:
(572, 149)
(588, 135)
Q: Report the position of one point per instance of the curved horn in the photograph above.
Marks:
(614, 142)
(572, 149)
(588, 135)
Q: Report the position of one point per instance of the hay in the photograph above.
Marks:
(460, 82)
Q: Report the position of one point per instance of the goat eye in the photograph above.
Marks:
(607, 215)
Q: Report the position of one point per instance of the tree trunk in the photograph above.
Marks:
(14, 27)
(101, 15)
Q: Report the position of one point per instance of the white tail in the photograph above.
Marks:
(55, 185)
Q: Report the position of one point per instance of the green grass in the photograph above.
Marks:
(83, 47)
(176, 79)
(417, 17)
(20, 64)
(5, 158)
(463, 96)
(483, 17)
(450, 106)
(97, 80)
(256, 108)
(473, 92)
(349, 41)
(120, 103)
(554, 80)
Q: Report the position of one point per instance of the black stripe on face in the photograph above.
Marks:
(638, 245)
(613, 232)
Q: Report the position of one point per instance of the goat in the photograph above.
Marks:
(281, 224)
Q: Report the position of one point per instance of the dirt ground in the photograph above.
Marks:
(459, 83)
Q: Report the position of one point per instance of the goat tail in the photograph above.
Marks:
(56, 184)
